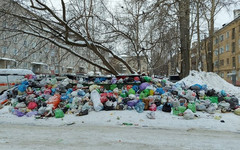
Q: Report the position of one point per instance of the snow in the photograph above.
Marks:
(15, 71)
(117, 118)
(212, 80)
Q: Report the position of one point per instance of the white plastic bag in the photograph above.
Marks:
(95, 97)
(188, 114)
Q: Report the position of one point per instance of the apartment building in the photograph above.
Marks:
(226, 51)
(29, 52)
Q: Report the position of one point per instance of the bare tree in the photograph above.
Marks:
(43, 21)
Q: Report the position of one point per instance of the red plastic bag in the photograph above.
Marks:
(153, 107)
(32, 105)
(55, 100)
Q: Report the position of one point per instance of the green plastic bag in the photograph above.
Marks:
(58, 113)
(113, 86)
(123, 95)
(131, 91)
(147, 79)
(142, 95)
(179, 110)
(192, 107)
(146, 92)
(213, 99)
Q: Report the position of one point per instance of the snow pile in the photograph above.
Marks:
(212, 80)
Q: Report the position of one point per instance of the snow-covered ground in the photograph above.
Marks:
(105, 129)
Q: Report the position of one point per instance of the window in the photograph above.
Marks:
(25, 65)
(25, 53)
(233, 33)
(221, 38)
(15, 39)
(233, 47)
(4, 50)
(222, 62)
(227, 47)
(14, 26)
(4, 24)
(227, 34)
(216, 40)
(228, 61)
(15, 51)
(233, 62)
(34, 44)
(34, 56)
(25, 43)
(216, 63)
(221, 50)
(46, 49)
(52, 53)
(216, 52)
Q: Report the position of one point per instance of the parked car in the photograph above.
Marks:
(9, 77)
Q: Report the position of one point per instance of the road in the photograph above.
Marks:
(71, 137)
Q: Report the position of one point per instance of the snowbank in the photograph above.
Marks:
(212, 80)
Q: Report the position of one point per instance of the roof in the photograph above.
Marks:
(39, 63)
(7, 59)
(15, 72)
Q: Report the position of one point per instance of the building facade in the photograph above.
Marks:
(29, 52)
(226, 52)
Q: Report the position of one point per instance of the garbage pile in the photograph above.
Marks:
(52, 98)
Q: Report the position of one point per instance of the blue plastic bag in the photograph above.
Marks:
(139, 107)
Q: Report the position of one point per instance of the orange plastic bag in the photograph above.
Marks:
(55, 100)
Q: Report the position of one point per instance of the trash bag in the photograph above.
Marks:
(55, 100)
(166, 107)
(147, 79)
(113, 86)
(188, 114)
(114, 80)
(132, 103)
(224, 105)
(201, 107)
(159, 91)
(210, 92)
(31, 113)
(131, 91)
(179, 110)
(196, 87)
(18, 113)
(211, 109)
(143, 86)
(32, 105)
(58, 113)
(153, 107)
(146, 103)
(139, 107)
(233, 102)
(95, 97)
(192, 107)
(237, 111)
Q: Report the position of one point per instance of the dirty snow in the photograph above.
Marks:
(212, 80)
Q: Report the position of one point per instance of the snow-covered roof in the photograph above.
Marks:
(16, 71)
(69, 67)
(8, 59)
(39, 63)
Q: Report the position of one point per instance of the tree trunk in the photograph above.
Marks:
(199, 60)
(211, 35)
(184, 12)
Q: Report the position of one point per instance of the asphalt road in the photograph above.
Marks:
(71, 137)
